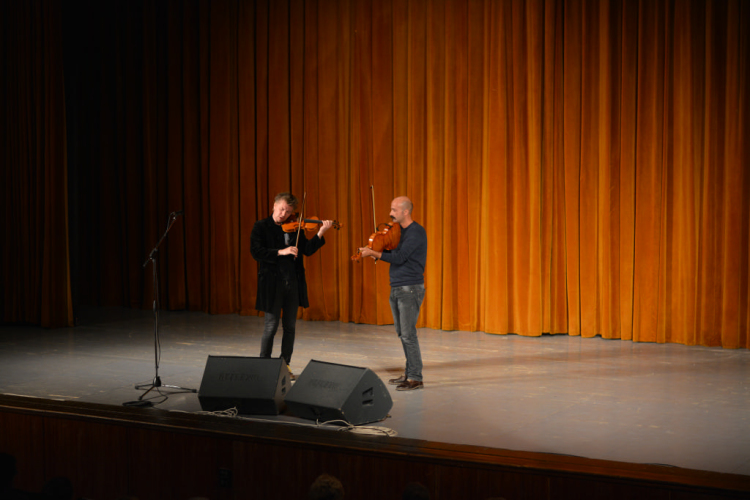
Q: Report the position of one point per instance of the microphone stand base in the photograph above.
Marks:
(157, 384)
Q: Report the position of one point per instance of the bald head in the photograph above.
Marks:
(401, 209)
(405, 203)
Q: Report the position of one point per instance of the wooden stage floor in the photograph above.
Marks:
(673, 405)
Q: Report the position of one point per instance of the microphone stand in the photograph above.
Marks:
(157, 345)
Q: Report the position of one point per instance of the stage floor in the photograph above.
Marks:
(672, 405)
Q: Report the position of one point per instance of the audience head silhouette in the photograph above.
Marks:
(415, 491)
(326, 487)
(58, 488)
(7, 470)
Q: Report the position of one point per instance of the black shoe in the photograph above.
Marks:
(410, 385)
(398, 381)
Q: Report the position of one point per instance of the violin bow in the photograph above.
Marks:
(301, 218)
(374, 220)
(372, 196)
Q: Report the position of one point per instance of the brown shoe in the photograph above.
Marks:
(410, 385)
(398, 381)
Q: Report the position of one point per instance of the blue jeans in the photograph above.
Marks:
(405, 304)
(286, 300)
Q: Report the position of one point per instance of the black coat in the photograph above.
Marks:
(266, 240)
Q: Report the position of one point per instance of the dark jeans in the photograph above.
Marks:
(405, 304)
(287, 300)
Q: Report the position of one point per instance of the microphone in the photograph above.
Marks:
(178, 213)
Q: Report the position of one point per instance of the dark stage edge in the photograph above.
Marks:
(697, 482)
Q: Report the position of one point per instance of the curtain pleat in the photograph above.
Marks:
(35, 279)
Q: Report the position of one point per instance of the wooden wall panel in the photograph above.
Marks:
(93, 453)
(21, 435)
(109, 452)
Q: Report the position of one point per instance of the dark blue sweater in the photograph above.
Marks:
(409, 258)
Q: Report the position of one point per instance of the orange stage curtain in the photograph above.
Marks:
(35, 280)
(579, 166)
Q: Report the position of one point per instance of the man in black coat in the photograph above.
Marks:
(281, 273)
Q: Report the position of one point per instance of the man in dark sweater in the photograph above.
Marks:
(281, 273)
(407, 262)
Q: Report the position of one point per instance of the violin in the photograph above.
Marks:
(310, 226)
(386, 237)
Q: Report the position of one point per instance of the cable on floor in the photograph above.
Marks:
(340, 425)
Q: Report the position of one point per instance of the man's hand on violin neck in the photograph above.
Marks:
(289, 251)
(369, 252)
(327, 224)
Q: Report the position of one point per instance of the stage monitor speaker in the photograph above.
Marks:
(329, 391)
(255, 386)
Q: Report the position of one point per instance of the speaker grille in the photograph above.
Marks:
(330, 391)
(255, 386)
